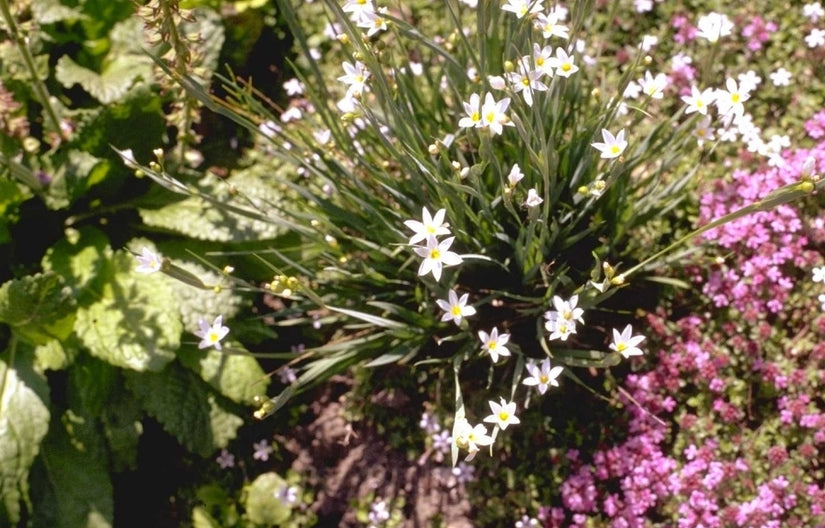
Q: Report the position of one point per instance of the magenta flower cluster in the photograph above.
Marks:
(726, 428)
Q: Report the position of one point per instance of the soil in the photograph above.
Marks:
(345, 463)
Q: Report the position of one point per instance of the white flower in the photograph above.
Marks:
(703, 131)
(523, 7)
(431, 225)
(358, 8)
(293, 87)
(550, 27)
(148, 261)
(781, 77)
(373, 21)
(455, 308)
(652, 86)
(533, 199)
(470, 438)
(494, 344)
(613, 146)
(813, 11)
(819, 274)
(808, 171)
(731, 100)
(515, 175)
(648, 41)
(526, 81)
(211, 335)
(356, 78)
(626, 343)
(563, 63)
(493, 113)
(542, 377)
(699, 101)
(473, 110)
(815, 38)
(503, 414)
(541, 59)
(559, 327)
(713, 26)
(437, 255)
(748, 81)
(821, 300)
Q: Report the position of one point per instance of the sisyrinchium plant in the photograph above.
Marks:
(474, 194)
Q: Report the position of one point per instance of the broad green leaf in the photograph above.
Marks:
(73, 175)
(185, 407)
(236, 374)
(122, 428)
(24, 421)
(262, 504)
(79, 257)
(11, 196)
(36, 305)
(135, 324)
(199, 219)
(124, 65)
(72, 483)
(53, 355)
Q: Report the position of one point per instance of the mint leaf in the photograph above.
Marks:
(185, 407)
(136, 323)
(262, 505)
(24, 421)
(36, 307)
(236, 375)
(73, 485)
(79, 257)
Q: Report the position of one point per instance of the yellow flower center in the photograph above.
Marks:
(492, 345)
(566, 66)
(734, 97)
(540, 61)
(475, 116)
(503, 415)
(615, 149)
(544, 379)
(213, 337)
(621, 346)
(435, 254)
(456, 310)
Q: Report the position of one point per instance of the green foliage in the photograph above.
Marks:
(123, 65)
(24, 421)
(262, 505)
(36, 306)
(135, 322)
(66, 495)
(188, 410)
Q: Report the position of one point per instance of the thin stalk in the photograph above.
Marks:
(39, 88)
(778, 197)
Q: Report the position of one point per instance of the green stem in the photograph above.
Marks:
(39, 88)
(778, 197)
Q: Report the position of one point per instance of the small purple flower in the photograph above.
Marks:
(225, 459)
(262, 450)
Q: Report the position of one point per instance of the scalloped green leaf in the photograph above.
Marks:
(185, 407)
(37, 307)
(262, 504)
(79, 257)
(125, 64)
(199, 219)
(136, 323)
(24, 421)
(69, 497)
(235, 374)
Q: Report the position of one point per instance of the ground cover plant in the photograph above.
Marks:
(486, 212)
